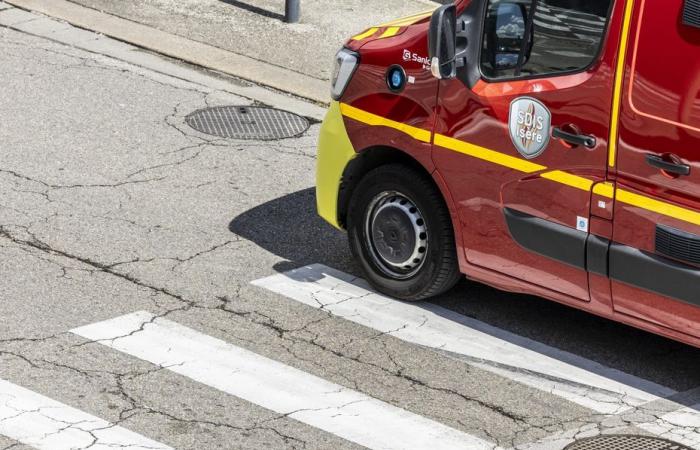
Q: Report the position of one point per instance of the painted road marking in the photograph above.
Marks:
(676, 418)
(664, 418)
(43, 423)
(577, 379)
(679, 426)
(314, 401)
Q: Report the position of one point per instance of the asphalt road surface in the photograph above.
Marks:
(162, 288)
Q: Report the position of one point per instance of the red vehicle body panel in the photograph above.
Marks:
(660, 114)
(480, 116)
(415, 106)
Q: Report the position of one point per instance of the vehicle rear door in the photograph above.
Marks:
(655, 256)
(523, 146)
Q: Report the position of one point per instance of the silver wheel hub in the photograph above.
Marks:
(397, 235)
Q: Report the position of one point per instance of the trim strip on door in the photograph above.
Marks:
(654, 273)
(548, 239)
(594, 254)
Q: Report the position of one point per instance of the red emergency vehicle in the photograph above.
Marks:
(550, 147)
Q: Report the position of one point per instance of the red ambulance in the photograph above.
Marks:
(549, 147)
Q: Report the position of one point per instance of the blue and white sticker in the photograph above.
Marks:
(582, 224)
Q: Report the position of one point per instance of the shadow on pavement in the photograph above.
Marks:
(612, 344)
(254, 9)
(290, 228)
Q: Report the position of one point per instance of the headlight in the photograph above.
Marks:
(346, 62)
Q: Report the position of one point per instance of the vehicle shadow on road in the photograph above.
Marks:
(576, 337)
(290, 228)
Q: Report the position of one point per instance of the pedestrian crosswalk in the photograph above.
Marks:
(275, 386)
(349, 414)
(677, 423)
(551, 370)
(46, 424)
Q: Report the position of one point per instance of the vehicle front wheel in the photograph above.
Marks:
(401, 233)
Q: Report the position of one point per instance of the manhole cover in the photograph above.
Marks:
(247, 122)
(622, 442)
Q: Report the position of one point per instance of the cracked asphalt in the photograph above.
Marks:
(111, 204)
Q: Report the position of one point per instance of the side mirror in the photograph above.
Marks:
(508, 35)
(442, 42)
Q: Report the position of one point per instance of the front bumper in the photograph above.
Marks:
(335, 151)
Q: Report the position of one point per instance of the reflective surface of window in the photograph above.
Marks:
(525, 38)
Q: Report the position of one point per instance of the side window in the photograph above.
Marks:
(525, 38)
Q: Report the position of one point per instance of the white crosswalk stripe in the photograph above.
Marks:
(678, 426)
(43, 423)
(338, 410)
(574, 378)
(47, 424)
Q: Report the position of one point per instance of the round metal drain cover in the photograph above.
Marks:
(625, 442)
(247, 122)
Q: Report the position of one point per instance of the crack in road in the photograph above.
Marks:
(257, 317)
(306, 344)
(293, 336)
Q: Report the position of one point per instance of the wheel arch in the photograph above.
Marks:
(377, 156)
(367, 160)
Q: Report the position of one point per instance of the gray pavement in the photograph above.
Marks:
(111, 205)
(254, 27)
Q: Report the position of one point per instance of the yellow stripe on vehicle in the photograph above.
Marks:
(487, 155)
(409, 20)
(619, 80)
(366, 34)
(390, 32)
(659, 207)
(372, 119)
(568, 179)
(605, 189)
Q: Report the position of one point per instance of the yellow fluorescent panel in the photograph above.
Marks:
(375, 120)
(487, 155)
(335, 151)
(366, 34)
(390, 32)
(619, 78)
(605, 189)
(410, 20)
(568, 179)
(659, 207)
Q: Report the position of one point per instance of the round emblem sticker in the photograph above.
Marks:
(530, 123)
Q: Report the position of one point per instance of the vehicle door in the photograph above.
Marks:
(522, 143)
(655, 256)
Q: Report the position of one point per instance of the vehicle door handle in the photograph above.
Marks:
(668, 166)
(583, 140)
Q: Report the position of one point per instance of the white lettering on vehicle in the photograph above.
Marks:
(529, 124)
(409, 56)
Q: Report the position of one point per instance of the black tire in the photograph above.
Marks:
(439, 270)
